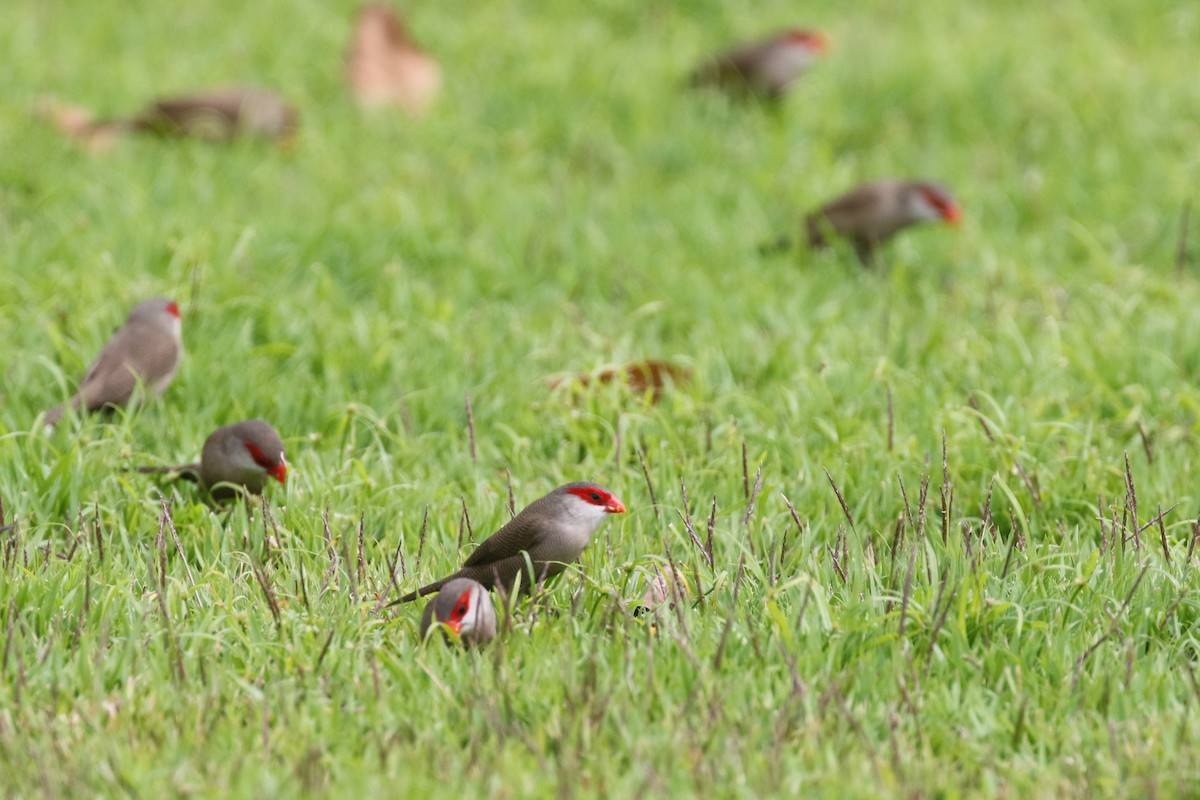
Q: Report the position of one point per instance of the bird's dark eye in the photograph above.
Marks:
(595, 497)
(460, 608)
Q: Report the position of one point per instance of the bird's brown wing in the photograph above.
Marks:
(136, 351)
(842, 214)
(502, 571)
(744, 61)
(734, 68)
(188, 472)
(857, 202)
(499, 556)
(519, 534)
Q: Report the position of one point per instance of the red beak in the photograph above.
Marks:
(615, 506)
(173, 310)
(454, 625)
(952, 214)
(280, 472)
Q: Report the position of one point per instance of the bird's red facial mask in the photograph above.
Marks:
(599, 497)
(277, 469)
(949, 210)
(813, 40)
(459, 614)
(173, 310)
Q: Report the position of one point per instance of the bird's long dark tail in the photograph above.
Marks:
(189, 472)
(424, 590)
(55, 415)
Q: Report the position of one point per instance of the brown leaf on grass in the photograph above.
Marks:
(386, 68)
(667, 585)
(648, 374)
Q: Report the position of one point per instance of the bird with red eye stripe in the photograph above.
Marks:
(462, 607)
(144, 352)
(550, 533)
(236, 458)
(763, 69)
(870, 214)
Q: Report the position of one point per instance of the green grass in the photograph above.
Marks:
(566, 206)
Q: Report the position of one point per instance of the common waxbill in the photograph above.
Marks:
(553, 531)
(763, 68)
(385, 66)
(215, 114)
(465, 607)
(146, 350)
(870, 214)
(241, 455)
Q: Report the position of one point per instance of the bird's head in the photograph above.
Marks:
(576, 508)
(591, 499)
(814, 42)
(932, 202)
(258, 447)
(466, 609)
(275, 466)
(379, 26)
(157, 311)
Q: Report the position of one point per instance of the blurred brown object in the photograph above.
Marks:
(648, 374)
(215, 115)
(385, 67)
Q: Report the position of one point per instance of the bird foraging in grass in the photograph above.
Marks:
(462, 607)
(144, 352)
(215, 115)
(549, 533)
(236, 458)
(762, 69)
(870, 214)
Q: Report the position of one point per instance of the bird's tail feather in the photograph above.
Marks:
(424, 590)
(54, 416)
(189, 472)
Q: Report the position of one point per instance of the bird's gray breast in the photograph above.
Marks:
(566, 541)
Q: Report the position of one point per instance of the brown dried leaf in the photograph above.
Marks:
(641, 376)
(386, 68)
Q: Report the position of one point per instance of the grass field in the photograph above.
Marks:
(1007, 606)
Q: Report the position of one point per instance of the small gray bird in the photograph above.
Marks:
(465, 607)
(235, 457)
(145, 350)
(551, 532)
(765, 68)
(870, 214)
(215, 114)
